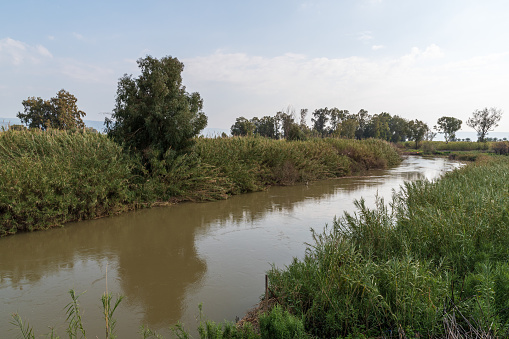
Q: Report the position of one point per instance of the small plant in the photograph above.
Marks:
(75, 328)
(74, 317)
(279, 323)
(26, 331)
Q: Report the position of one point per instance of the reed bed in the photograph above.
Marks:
(48, 178)
(252, 163)
(431, 263)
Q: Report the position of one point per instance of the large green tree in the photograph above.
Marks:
(417, 131)
(399, 128)
(60, 112)
(320, 118)
(243, 127)
(448, 126)
(154, 111)
(265, 126)
(484, 120)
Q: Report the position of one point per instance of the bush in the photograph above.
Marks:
(501, 147)
(279, 323)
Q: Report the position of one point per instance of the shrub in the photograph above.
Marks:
(280, 324)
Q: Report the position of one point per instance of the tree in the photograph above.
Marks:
(337, 116)
(242, 127)
(287, 119)
(363, 119)
(320, 118)
(378, 127)
(448, 126)
(154, 111)
(417, 130)
(265, 126)
(483, 121)
(399, 129)
(348, 127)
(60, 112)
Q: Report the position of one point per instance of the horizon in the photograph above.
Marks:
(210, 132)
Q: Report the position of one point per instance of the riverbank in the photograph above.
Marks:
(53, 177)
(430, 264)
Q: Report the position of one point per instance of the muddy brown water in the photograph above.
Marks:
(167, 260)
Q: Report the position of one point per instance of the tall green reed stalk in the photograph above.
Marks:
(393, 268)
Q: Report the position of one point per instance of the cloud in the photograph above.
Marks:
(377, 47)
(78, 36)
(86, 72)
(16, 52)
(365, 36)
(420, 83)
(431, 52)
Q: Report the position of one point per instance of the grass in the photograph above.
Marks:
(438, 250)
(274, 324)
(48, 178)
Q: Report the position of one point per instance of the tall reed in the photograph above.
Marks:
(48, 178)
(51, 177)
(398, 268)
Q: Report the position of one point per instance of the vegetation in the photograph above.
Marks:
(331, 122)
(51, 177)
(60, 112)
(154, 114)
(431, 263)
(48, 178)
(484, 120)
(448, 126)
(274, 324)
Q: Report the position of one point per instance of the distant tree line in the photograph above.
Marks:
(155, 114)
(333, 122)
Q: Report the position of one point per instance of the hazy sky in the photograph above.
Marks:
(417, 59)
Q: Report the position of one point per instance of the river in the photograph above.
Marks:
(167, 260)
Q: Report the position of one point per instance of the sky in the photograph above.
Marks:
(416, 59)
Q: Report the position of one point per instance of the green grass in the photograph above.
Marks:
(437, 251)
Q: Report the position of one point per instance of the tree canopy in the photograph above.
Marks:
(448, 126)
(60, 112)
(154, 111)
(483, 121)
(417, 130)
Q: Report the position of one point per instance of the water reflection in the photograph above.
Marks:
(167, 260)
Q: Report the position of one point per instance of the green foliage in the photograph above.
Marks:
(74, 319)
(60, 112)
(154, 111)
(484, 120)
(48, 178)
(280, 324)
(320, 118)
(250, 164)
(448, 126)
(417, 129)
(438, 249)
(242, 127)
(26, 331)
(108, 311)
